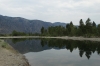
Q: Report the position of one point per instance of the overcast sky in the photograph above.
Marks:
(52, 10)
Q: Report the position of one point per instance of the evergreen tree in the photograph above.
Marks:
(88, 22)
(72, 29)
(94, 29)
(71, 24)
(67, 29)
(88, 28)
(81, 27)
(94, 24)
(14, 33)
(98, 29)
(42, 30)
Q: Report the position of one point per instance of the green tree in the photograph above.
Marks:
(88, 28)
(94, 29)
(56, 31)
(70, 29)
(88, 22)
(98, 29)
(14, 33)
(94, 24)
(42, 30)
(67, 29)
(81, 27)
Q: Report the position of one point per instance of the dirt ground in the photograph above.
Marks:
(10, 57)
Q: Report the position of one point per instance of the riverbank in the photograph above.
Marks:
(10, 57)
(61, 37)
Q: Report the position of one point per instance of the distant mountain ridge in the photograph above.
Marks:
(8, 24)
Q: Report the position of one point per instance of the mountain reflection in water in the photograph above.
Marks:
(37, 45)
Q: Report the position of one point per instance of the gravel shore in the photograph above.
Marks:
(10, 57)
(75, 38)
(58, 37)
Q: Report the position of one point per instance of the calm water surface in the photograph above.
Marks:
(57, 52)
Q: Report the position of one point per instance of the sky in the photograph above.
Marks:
(52, 10)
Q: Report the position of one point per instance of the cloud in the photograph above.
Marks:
(52, 10)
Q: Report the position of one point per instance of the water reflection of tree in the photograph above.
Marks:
(85, 47)
(15, 40)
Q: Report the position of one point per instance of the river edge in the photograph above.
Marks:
(10, 57)
(59, 37)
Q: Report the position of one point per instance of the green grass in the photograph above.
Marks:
(3, 44)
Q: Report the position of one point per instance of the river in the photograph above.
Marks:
(58, 52)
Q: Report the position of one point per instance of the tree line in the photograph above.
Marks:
(86, 29)
(16, 33)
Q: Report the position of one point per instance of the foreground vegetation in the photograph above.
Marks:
(3, 44)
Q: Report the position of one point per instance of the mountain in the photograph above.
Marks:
(8, 24)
